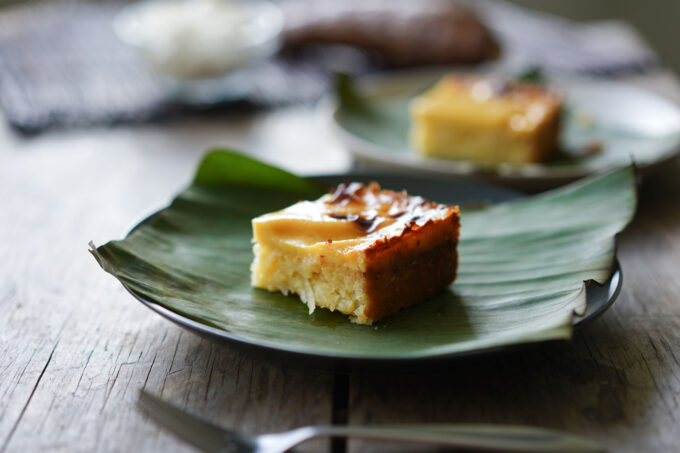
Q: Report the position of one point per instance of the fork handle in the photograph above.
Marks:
(507, 438)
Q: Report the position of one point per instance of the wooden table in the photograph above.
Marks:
(75, 348)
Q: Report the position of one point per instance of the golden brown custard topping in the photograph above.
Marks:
(351, 215)
(370, 208)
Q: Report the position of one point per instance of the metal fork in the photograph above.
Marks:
(213, 439)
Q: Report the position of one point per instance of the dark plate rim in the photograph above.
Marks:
(598, 299)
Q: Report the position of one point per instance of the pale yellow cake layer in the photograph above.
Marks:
(319, 281)
(437, 138)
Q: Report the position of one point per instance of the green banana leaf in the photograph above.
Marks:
(521, 278)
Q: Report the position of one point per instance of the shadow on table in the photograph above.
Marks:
(601, 382)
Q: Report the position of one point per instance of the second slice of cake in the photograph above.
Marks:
(486, 120)
(363, 251)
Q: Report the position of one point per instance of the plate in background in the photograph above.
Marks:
(629, 123)
(471, 195)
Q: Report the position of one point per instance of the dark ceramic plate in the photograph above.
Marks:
(470, 195)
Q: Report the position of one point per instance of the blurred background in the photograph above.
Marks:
(657, 20)
(63, 64)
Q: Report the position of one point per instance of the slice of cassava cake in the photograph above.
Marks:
(363, 251)
(486, 120)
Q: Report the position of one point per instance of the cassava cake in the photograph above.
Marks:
(486, 120)
(363, 251)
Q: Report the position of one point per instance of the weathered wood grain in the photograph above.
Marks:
(617, 382)
(75, 348)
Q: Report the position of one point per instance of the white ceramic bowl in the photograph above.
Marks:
(199, 40)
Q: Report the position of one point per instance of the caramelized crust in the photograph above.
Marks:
(363, 251)
(406, 270)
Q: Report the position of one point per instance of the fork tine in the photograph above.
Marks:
(198, 432)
